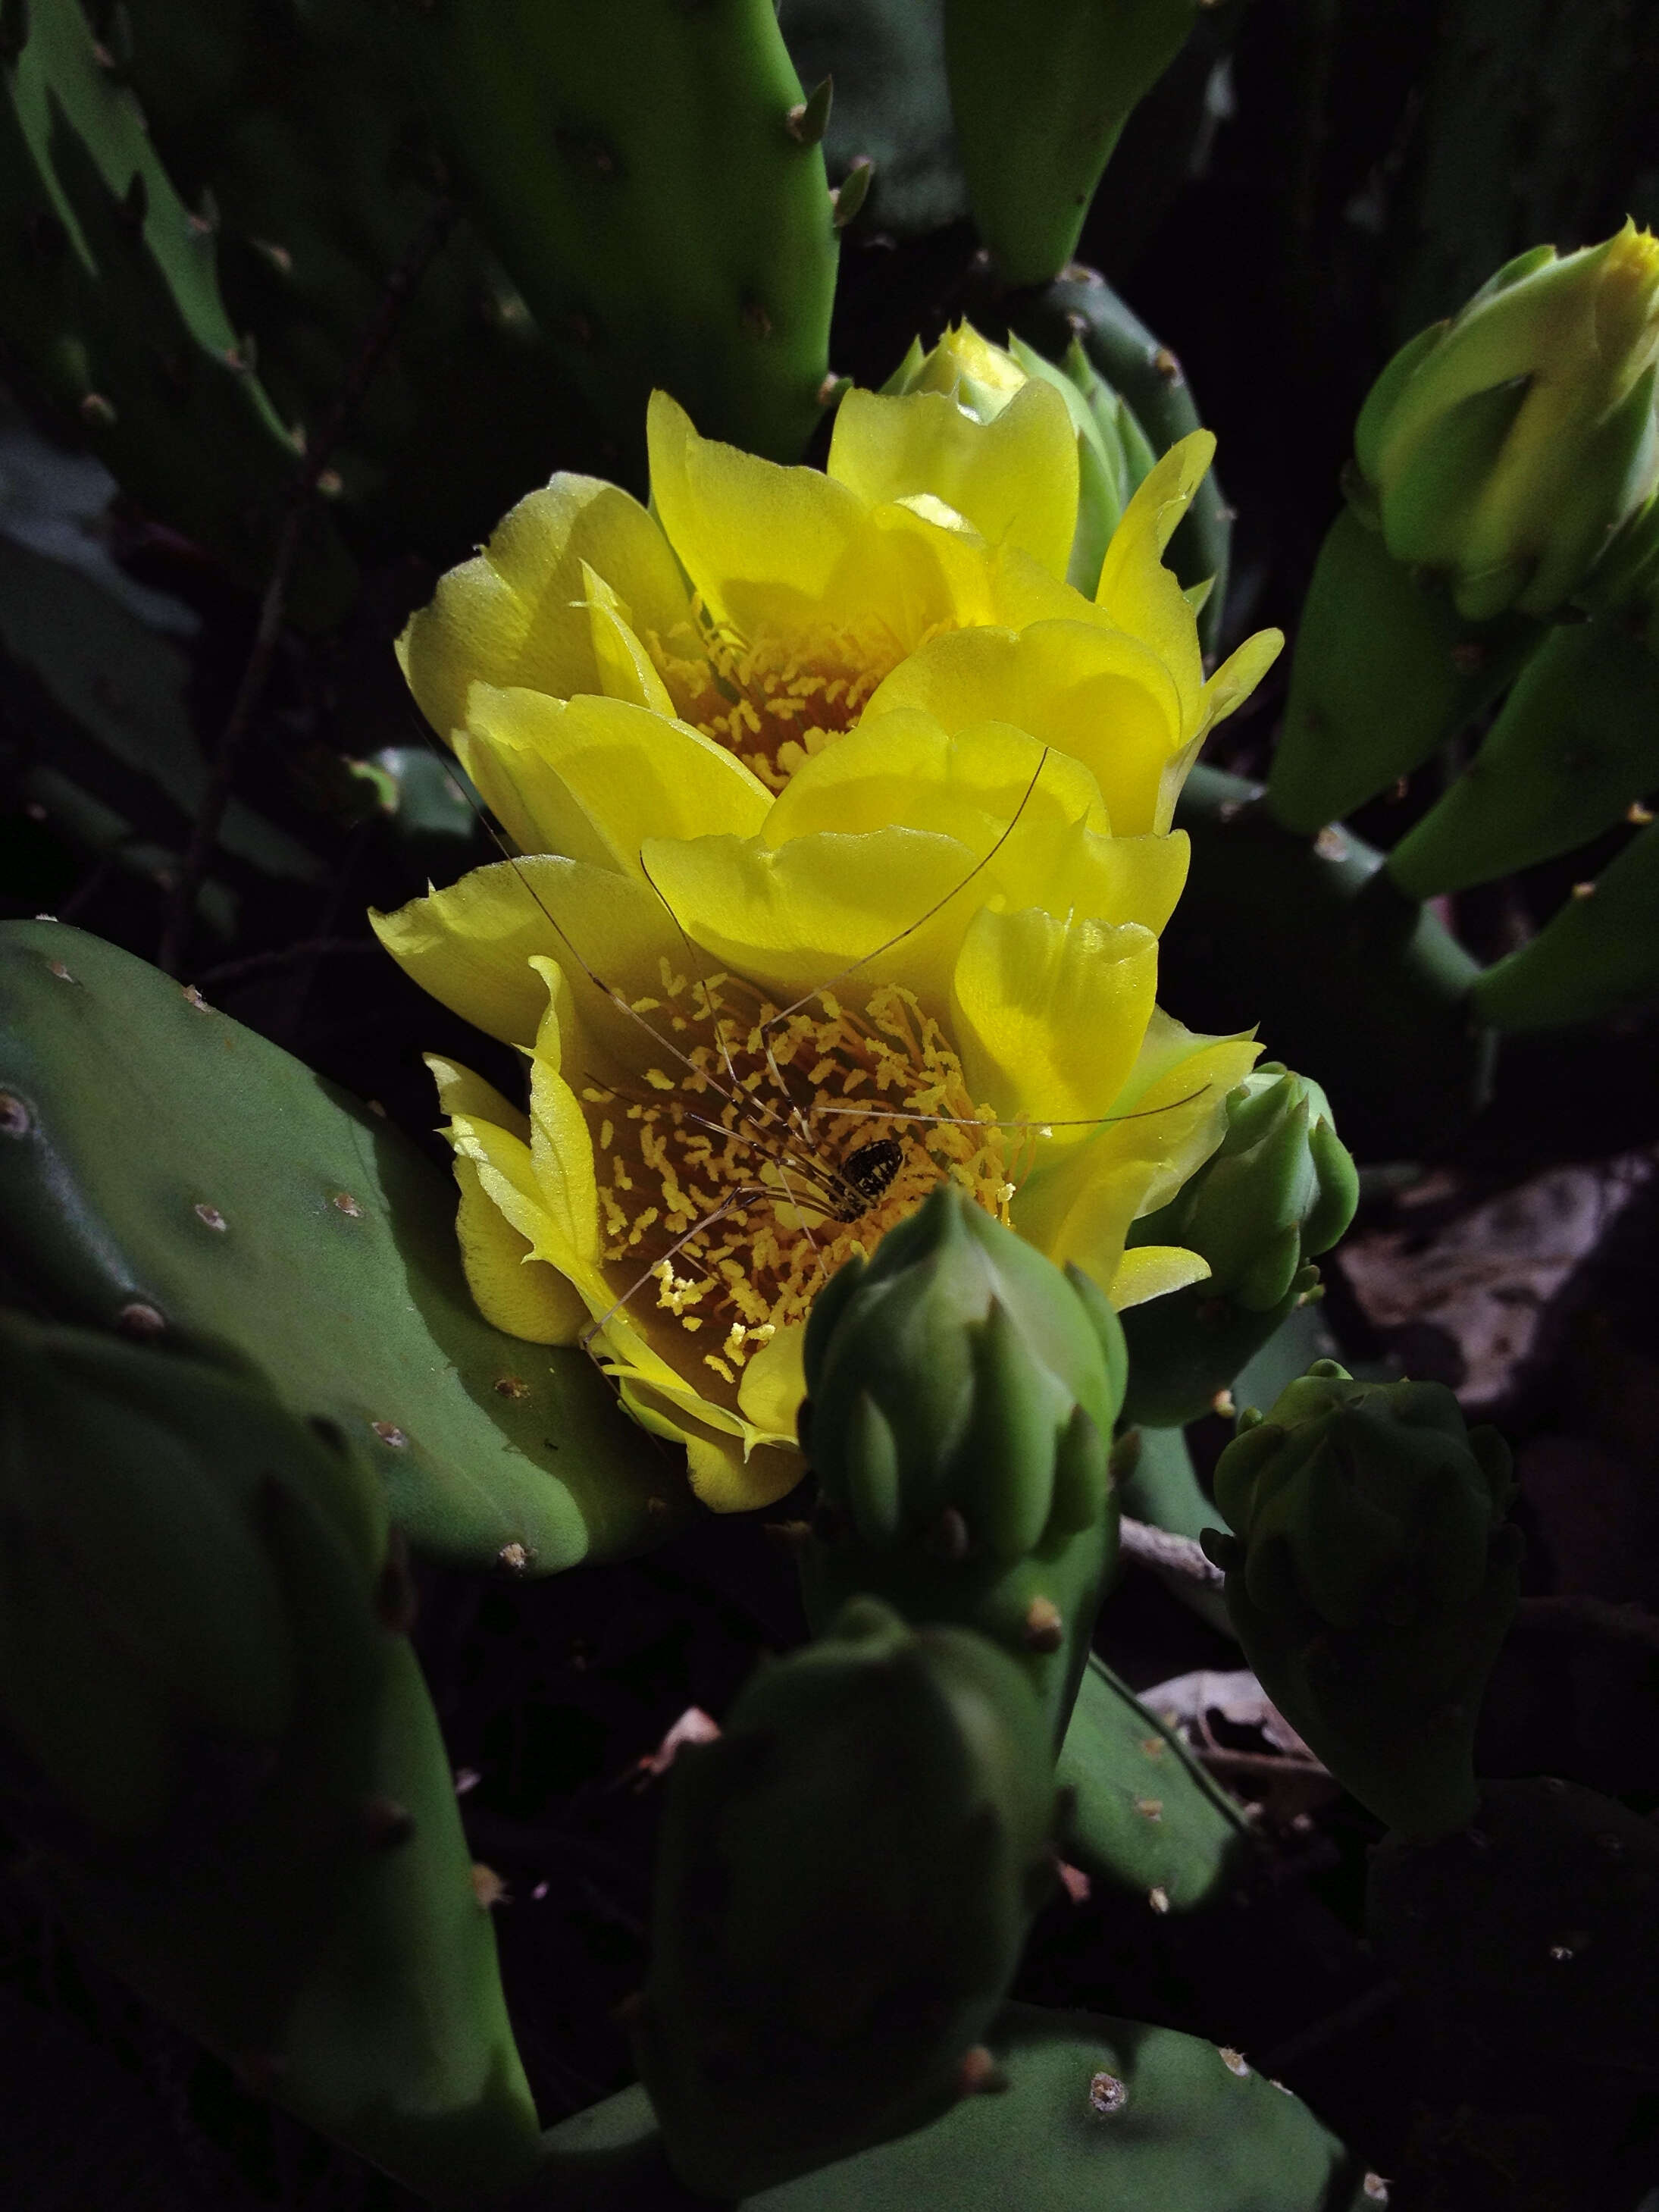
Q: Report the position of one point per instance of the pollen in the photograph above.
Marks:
(775, 700)
(735, 1179)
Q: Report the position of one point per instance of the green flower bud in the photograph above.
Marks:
(1505, 446)
(1113, 451)
(961, 1397)
(844, 1882)
(1624, 581)
(1371, 1578)
(1279, 1188)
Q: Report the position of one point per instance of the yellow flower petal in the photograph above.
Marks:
(773, 1384)
(820, 909)
(1047, 1014)
(500, 1213)
(513, 1291)
(1077, 1209)
(1175, 1102)
(723, 1475)
(1150, 1271)
(560, 1147)
(518, 614)
(462, 1092)
(626, 670)
(1092, 693)
(594, 778)
(1014, 479)
(1137, 592)
(1164, 1122)
(968, 781)
(756, 538)
(1029, 815)
(1239, 674)
(471, 945)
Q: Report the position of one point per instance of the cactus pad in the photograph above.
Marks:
(634, 164)
(224, 1756)
(110, 306)
(1145, 1817)
(164, 1170)
(1107, 2113)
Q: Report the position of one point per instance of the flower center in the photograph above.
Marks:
(773, 701)
(767, 1145)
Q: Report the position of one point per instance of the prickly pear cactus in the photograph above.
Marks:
(1040, 92)
(652, 176)
(317, 164)
(166, 1173)
(844, 1882)
(1112, 2114)
(961, 1396)
(1385, 670)
(1342, 970)
(110, 306)
(1141, 1815)
(1596, 956)
(222, 1752)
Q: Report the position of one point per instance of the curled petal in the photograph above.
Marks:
(517, 614)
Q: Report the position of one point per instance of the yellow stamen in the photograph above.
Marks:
(775, 700)
(748, 1179)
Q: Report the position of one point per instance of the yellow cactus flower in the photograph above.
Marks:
(754, 1046)
(766, 606)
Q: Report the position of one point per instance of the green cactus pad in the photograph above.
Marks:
(1596, 955)
(273, 1855)
(1109, 2114)
(1575, 743)
(1342, 972)
(110, 306)
(892, 105)
(634, 164)
(1146, 1818)
(166, 1169)
(1040, 92)
(1383, 671)
(318, 158)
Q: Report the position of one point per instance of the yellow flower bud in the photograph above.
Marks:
(1507, 446)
